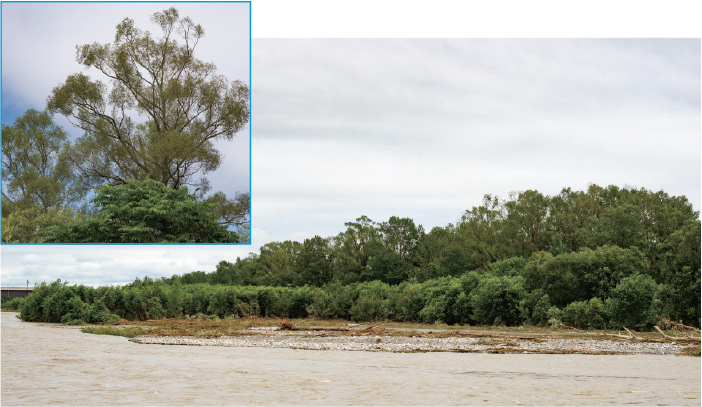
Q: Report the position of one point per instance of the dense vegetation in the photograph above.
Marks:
(157, 117)
(605, 257)
(144, 212)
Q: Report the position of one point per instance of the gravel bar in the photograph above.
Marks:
(380, 343)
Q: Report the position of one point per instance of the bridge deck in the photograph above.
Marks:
(15, 291)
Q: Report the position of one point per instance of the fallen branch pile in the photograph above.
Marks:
(688, 330)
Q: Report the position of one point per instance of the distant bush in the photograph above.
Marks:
(11, 303)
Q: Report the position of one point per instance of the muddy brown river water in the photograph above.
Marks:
(47, 364)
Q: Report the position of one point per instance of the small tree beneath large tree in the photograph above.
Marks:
(145, 212)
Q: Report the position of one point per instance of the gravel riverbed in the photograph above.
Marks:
(380, 343)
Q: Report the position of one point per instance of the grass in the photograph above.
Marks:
(128, 332)
(690, 351)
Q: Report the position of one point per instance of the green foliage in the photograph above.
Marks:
(496, 300)
(144, 212)
(534, 308)
(313, 265)
(129, 332)
(188, 107)
(586, 314)
(39, 188)
(401, 236)
(632, 303)
(581, 275)
(35, 169)
(509, 267)
(387, 266)
(30, 225)
(504, 263)
(445, 302)
(407, 302)
(74, 311)
(679, 271)
(11, 303)
(334, 301)
(277, 262)
(371, 302)
(354, 248)
(233, 212)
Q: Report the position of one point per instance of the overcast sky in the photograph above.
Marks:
(423, 128)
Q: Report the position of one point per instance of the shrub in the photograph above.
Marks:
(98, 313)
(632, 302)
(496, 300)
(74, 314)
(575, 314)
(12, 303)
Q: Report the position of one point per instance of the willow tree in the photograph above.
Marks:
(160, 111)
(34, 166)
(39, 188)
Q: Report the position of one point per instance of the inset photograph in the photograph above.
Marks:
(126, 122)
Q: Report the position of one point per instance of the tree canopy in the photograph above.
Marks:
(35, 167)
(530, 260)
(160, 111)
(39, 184)
(600, 257)
(144, 212)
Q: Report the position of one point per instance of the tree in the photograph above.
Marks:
(234, 212)
(401, 235)
(30, 225)
(479, 232)
(355, 247)
(525, 224)
(431, 252)
(144, 212)
(278, 261)
(39, 188)
(35, 169)
(186, 105)
(496, 300)
(680, 272)
(387, 266)
(632, 302)
(312, 263)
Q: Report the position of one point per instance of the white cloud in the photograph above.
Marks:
(30, 259)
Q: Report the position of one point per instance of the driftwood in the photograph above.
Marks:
(619, 336)
(632, 335)
(318, 328)
(677, 338)
(286, 326)
(680, 325)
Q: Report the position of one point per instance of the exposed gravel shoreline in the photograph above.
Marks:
(379, 343)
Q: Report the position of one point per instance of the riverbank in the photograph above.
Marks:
(355, 337)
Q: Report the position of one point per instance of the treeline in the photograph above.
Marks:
(604, 257)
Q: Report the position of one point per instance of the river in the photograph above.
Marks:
(47, 364)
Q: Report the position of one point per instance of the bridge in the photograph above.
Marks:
(15, 291)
